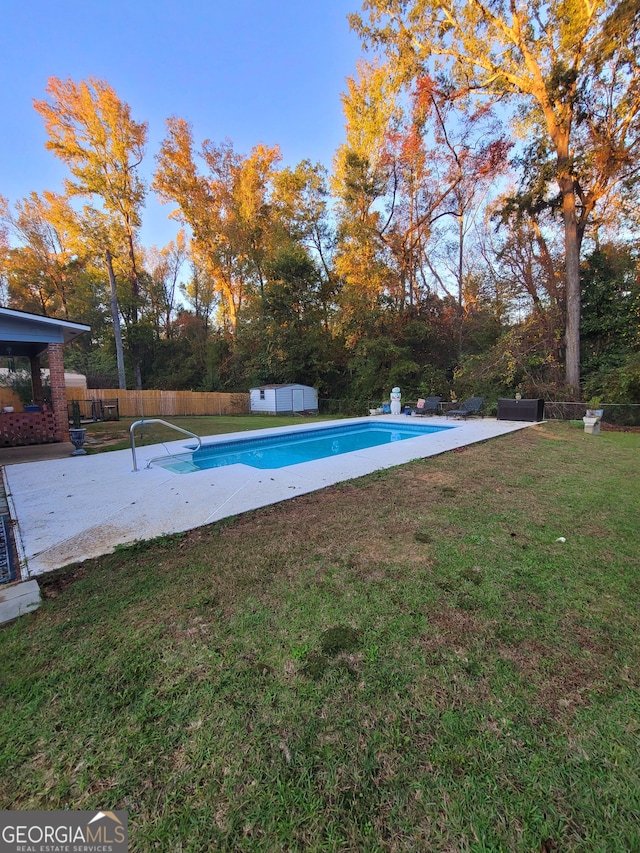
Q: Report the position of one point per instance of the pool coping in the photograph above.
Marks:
(72, 509)
(258, 440)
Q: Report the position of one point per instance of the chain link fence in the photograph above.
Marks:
(616, 414)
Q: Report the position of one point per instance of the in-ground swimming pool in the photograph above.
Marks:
(291, 448)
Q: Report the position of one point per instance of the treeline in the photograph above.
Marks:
(441, 252)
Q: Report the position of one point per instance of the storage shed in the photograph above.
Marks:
(283, 399)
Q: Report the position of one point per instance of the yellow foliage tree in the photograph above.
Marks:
(227, 209)
(92, 131)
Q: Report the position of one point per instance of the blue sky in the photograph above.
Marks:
(246, 70)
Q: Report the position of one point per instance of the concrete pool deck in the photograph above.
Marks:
(71, 509)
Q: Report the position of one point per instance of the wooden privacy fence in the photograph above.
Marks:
(139, 404)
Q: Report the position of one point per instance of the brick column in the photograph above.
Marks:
(36, 380)
(58, 391)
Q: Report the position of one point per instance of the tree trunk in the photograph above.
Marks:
(460, 281)
(115, 314)
(572, 285)
(135, 299)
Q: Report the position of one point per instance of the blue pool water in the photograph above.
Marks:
(290, 448)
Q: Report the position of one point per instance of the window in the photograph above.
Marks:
(262, 393)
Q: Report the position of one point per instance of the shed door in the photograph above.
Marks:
(298, 399)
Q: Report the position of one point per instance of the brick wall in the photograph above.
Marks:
(22, 428)
(58, 392)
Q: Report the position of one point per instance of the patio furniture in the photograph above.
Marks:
(428, 406)
(472, 406)
(521, 410)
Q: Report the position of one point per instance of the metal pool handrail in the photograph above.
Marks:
(167, 455)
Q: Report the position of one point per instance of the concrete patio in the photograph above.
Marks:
(70, 509)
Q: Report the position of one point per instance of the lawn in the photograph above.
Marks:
(115, 435)
(442, 656)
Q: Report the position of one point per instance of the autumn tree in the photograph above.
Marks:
(410, 163)
(92, 131)
(200, 294)
(467, 144)
(45, 268)
(226, 209)
(528, 253)
(164, 269)
(566, 65)
(360, 182)
(59, 264)
(4, 247)
(300, 204)
(194, 326)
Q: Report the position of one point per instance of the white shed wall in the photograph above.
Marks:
(266, 405)
(287, 398)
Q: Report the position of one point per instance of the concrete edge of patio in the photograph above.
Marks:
(17, 599)
(68, 510)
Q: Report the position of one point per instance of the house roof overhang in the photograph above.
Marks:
(29, 335)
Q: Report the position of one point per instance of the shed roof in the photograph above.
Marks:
(23, 334)
(281, 385)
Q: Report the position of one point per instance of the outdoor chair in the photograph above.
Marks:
(428, 406)
(472, 406)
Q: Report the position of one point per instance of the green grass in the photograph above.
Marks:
(409, 661)
(115, 435)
